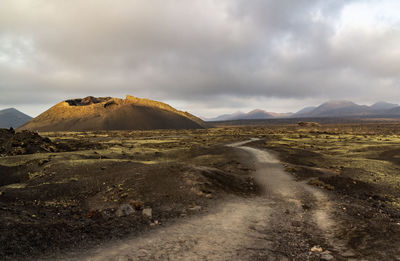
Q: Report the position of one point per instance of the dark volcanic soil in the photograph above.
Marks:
(56, 202)
(96, 187)
(366, 195)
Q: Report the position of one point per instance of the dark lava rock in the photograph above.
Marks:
(87, 101)
(25, 142)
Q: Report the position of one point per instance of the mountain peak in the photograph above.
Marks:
(305, 110)
(336, 108)
(382, 105)
(9, 110)
(338, 103)
(256, 111)
(12, 117)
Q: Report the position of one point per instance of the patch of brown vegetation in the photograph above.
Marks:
(308, 124)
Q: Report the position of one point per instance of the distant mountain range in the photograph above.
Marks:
(252, 115)
(107, 113)
(327, 109)
(13, 118)
(383, 106)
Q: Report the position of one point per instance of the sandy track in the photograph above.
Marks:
(275, 226)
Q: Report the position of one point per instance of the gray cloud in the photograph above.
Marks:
(205, 55)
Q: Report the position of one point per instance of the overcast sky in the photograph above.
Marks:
(208, 57)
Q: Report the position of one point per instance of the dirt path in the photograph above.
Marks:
(282, 224)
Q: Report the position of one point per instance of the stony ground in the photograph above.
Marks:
(98, 187)
(185, 195)
(356, 165)
(289, 220)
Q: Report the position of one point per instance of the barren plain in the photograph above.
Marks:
(329, 192)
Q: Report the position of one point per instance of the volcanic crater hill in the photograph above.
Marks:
(107, 113)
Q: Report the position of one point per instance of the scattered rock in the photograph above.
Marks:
(124, 210)
(316, 249)
(195, 208)
(326, 256)
(24, 142)
(348, 253)
(155, 223)
(147, 212)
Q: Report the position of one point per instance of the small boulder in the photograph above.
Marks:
(348, 253)
(124, 210)
(147, 212)
(326, 256)
(316, 249)
(195, 208)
